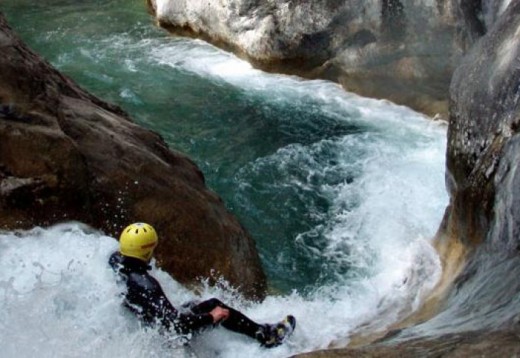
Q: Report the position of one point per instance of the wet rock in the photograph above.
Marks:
(483, 157)
(483, 138)
(463, 345)
(479, 313)
(66, 155)
(400, 50)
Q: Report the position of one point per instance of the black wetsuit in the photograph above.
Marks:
(146, 298)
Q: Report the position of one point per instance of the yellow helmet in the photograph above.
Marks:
(138, 240)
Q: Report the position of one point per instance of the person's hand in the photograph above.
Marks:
(219, 314)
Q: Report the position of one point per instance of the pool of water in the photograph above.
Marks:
(341, 193)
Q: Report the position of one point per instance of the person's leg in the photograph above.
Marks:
(236, 322)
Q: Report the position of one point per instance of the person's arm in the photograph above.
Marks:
(145, 292)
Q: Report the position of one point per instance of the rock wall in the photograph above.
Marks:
(401, 50)
(483, 139)
(479, 314)
(483, 178)
(66, 155)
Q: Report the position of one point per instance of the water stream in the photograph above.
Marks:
(341, 193)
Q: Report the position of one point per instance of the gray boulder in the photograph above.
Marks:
(401, 50)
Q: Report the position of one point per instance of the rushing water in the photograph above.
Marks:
(341, 193)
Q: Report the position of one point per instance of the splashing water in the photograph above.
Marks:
(60, 298)
(342, 194)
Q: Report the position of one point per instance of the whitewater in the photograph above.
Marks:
(372, 195)
(60, 299)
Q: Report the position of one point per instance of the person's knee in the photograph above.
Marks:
(208, 305)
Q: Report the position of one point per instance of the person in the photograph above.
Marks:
(145, 297)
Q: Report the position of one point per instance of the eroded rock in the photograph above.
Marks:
(479, 312)
(401, 50)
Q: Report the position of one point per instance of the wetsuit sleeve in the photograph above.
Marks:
(146, 297)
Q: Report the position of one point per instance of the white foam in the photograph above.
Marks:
(60, 299)
(59, 296)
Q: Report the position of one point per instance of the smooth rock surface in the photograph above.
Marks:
(401, 50)
(466, 345)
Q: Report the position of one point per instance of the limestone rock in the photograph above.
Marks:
(479, 316)
(483, 137)
(66, 155)
(401, 50)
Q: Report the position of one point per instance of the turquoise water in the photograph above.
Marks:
(276, 149)
(341, 193)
